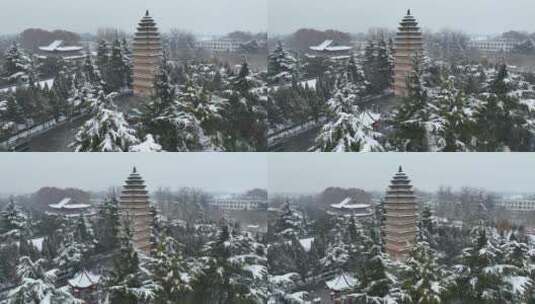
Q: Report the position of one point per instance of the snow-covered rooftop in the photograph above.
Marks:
(38, 243)
(56, 46)
(306, 243)
(327, 45)
(84, 279)
(66, 204)
(346, 204)
(342, 282)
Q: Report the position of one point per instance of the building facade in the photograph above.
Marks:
(238, 204)
(400, 217)
(408, 47)
(147, 53)
(134, 210)
(220, 45)
(518, 205)
(497, 45)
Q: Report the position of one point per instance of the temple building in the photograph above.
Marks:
(332, 50)
(400, 217)
(57, 49)
(147, 52)
(134, 209)
(408, 46)
(70, 208)
(349, 207)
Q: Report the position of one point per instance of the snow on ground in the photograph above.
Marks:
(41, 84)
(518, 283)
(258, 271)
(285, 280)
(306, 243)
(38, 243)
(310, 83)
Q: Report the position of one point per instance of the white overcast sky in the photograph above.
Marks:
(313, 172)
(198, 16)
(221, 172)
(277, 172)
(471, 16)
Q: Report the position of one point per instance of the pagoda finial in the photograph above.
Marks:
(135, 170)
(400, 169)
(409, 12)
(147, 13)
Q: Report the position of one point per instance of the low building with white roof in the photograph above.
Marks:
(57, 49)
(331, 49)
(349, 207)
(85, 285)
(69, 207)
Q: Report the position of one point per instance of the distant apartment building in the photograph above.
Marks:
(220, 45)
(239, 203)
(518, 205)
(493, 45)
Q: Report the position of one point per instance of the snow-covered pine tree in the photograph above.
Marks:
(479, 278)
(85, 234)
(17, 64)
(128, 63)
(168, 272)
(103, 59)
(172, 127)
(425, 280)
(289, 224)
(37, 286)
(375, 283)
(282, 66)
(350, 129)
(107, 131)
(14, 224)
(235, 272)
(148, 144)
(125, 283)
(108, 225)
(410, 118)
(61, 90)
(245, 114)
(117, 71)
(453, 124)
(384, 67)
(501, 118)
(70, 253)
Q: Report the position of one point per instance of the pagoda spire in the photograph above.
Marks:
(408, 44)
(134, 210)
(147, 51)
(400, 213)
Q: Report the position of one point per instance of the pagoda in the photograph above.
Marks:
(408, 46)
(400, 217)
(147, 52)
(134, 209)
